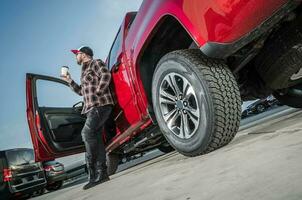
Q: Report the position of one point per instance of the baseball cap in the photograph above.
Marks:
(83, 49)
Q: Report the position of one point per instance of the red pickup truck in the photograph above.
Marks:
(180, 71)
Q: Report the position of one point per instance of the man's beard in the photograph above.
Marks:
(79, 62)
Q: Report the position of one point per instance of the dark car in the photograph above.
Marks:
(20, 174)
(260, 106)
(55, 175)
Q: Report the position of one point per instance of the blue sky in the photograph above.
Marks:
(36, 37)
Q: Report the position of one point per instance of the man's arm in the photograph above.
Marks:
(75, 87)
(105, 77)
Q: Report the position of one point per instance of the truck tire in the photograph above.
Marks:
(113, 161)
(279, 62)
(291, 96)
(196, 101)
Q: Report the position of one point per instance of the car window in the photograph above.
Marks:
(20, 157)
(54, 94)
(51, 162)
(114, 49)
(132, 17)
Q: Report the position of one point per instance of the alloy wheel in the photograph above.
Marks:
(179, 106)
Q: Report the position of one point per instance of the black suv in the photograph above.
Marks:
(19, 173)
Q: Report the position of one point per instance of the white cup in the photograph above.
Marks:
(64, 71)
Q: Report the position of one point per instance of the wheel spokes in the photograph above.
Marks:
(172, 120)
(189, 92)
(194, 115)
(193, 111)
(184, 126)
(168, 80)
(193, 119)
(175, 84)
(166, 98)
(185, 87)
(179, 106)
(170, 114)
(166, 95)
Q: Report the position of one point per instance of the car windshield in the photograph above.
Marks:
(20, 157)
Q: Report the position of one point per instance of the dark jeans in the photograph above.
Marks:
(92, 134)
(110, 128)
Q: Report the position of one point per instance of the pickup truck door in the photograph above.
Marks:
(126, 113)
(54, 117)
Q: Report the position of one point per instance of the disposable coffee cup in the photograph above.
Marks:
(64, 71)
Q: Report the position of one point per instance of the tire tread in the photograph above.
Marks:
(225, 94)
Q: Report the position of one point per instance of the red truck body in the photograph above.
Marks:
(216, 27)
(219, 21)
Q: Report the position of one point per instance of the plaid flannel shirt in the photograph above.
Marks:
(95, 81)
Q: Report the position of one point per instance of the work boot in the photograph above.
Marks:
(97, 175)
(102, 175)
(92, 177)
(90, 185)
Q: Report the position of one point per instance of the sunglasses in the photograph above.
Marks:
(79, 53)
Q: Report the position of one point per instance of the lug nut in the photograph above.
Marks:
(185, 112)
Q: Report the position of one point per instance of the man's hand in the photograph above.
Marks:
(67, 78)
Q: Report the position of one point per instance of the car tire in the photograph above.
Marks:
(291, 97)
(113, 161)
(211, 95)
(260, 108)
(41, 192)
(54, 186)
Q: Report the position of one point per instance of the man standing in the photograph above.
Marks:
(98, 104)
